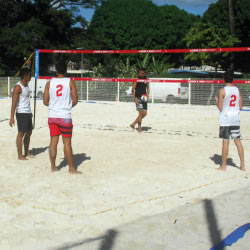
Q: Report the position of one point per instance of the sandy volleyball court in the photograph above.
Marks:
(154, 190)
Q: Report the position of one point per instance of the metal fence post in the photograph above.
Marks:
(81, 90)
(152, 90)
(87, 90)
(189, 93)
(118, 91)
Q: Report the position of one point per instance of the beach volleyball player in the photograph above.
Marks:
(139, 89)
(21, 105)
(229, 103)
(61, 95)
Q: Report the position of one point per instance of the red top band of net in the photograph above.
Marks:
(150, 80)
(211, 50)
(144, 51)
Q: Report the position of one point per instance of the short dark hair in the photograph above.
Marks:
(61, 68)
(24, 71)
(142, 69)
(229, 76)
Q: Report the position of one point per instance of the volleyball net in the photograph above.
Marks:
(108, 75)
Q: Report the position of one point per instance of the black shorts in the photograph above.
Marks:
(230, 131)
(24, 122)
(141, 105)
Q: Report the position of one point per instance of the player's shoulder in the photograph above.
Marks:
(72, 82)
(17, 87)
(48, 83)
(222, 90)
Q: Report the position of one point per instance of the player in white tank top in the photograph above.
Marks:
(60, 95)
(229, 104)
(60, 101)
(230, 113)
(21, 105)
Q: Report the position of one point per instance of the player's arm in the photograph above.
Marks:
(241, 101)
(133, 90)
(73, 93)
(15, 96)
(219, 101)
(148, 90)
(46, 94)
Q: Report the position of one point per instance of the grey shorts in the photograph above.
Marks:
(230, 131)
(141, 105)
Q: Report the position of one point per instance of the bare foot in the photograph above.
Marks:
(242, 168)
(139, 130)
(30, 156)
(221, 168)
(132, 126)
(73, 171)
(22, 158)
(54, 169)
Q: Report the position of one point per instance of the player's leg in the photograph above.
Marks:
(27, 136)
(20, 118)
(19, 144)
(66, 129)
(26, 142)
(69, 155)
(241, 154)
(140, 116)
(54, 138)
(53, 151)
(139, 108)
(225, 146)
(224, 133)
(144, 113)
(138, 119)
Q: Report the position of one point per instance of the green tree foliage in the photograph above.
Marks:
(128, 24)
(206, 35)
(29, 25)
(177, 24)
(138, 24)
(218, 14)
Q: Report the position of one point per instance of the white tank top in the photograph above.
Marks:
(23, 103)
(230, 113)
(60, 101)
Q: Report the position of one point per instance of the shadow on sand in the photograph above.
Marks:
(107, 241)
(78, 160)
(213, 228)
(217, 160)
(37, 151)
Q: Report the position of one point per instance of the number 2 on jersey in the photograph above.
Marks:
(233, 99)
(59, 90)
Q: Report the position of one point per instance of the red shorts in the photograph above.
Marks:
(60, 126)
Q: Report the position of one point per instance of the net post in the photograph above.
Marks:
(32, 90)
(189, 92)
(36, 77)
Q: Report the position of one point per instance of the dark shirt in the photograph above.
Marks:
(141, 88)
